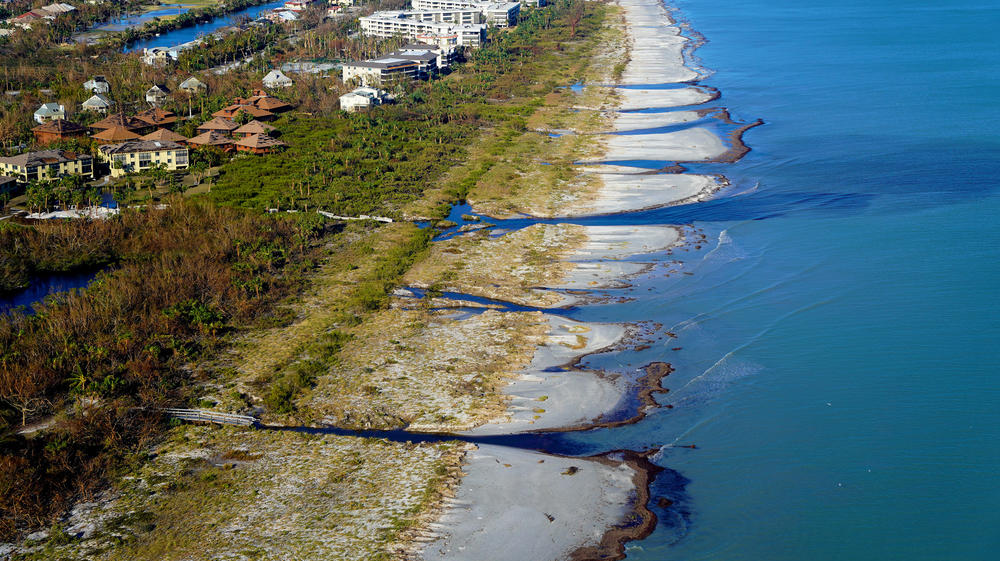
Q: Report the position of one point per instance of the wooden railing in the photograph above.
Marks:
(199, 415)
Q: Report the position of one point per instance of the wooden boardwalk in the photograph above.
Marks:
(202, 416)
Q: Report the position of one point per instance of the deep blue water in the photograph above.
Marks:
(187, 34)
(837, 365)
(41, 287)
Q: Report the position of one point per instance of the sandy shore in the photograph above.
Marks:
(555, 511)
(544, 397)
(648, 191)
(520, 505)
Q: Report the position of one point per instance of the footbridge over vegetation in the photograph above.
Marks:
(202, 416)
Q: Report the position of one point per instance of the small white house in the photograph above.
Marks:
(193, 86)
(277, 79)
(98, 104)
(157, 95)
(97, 85)
(49, 112)
(361, 98)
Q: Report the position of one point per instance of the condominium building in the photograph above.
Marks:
(140, 155)
(47, 165)
(379, 71)
(499, 14)
(413, 24)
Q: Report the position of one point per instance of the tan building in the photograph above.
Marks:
(140, 155)
(46, 165)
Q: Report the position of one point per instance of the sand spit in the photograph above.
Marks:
(634, 100)
(637, 192)
(625, 122)
(692, 145)
(517, 505)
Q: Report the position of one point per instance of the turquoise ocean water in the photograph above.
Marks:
(838, 364)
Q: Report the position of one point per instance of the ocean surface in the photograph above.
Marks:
(837, 364)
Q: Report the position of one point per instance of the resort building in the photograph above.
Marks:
(212, 138)
(97, 85)
(56, 130)
(157, 117)
(98, 104)
(48, 112)
(253, 127)
(218, 124)
(379, 71)
(115, 134)
(498, 14)
(362, 98)
(141, 155)
(446, 53)
(119, 120)
(46, 165)
(259, 144)
(230, 112)
(414, 25)
(165, 135)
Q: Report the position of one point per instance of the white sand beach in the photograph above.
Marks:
(519, 505)
(544, 398)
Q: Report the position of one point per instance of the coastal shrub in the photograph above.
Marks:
(98, 362)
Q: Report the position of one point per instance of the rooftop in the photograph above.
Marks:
(133, 146)
(43, 157)
(211, 138)
(59, 126)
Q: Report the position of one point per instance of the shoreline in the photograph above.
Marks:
(603, 258)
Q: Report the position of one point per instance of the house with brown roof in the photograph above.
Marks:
(119, 120)
(212, 138)
(231, 111)
(115, 134)
(157, 117)
(259, 144)
(272, 104)
(253, 127)
(165, 135)
(56, 130)
(218, 124)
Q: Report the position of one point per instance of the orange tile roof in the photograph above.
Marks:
(164, 134)
(115, 134)
(260, 141)
(254, 127)
(118, 120)
(211, 138)
(219, 124)
(157, 116)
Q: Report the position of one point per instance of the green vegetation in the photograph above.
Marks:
(346, 164)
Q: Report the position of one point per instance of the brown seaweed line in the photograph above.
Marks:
(612, 544)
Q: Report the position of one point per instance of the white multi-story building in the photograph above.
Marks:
(414, 25)
(498, 14)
